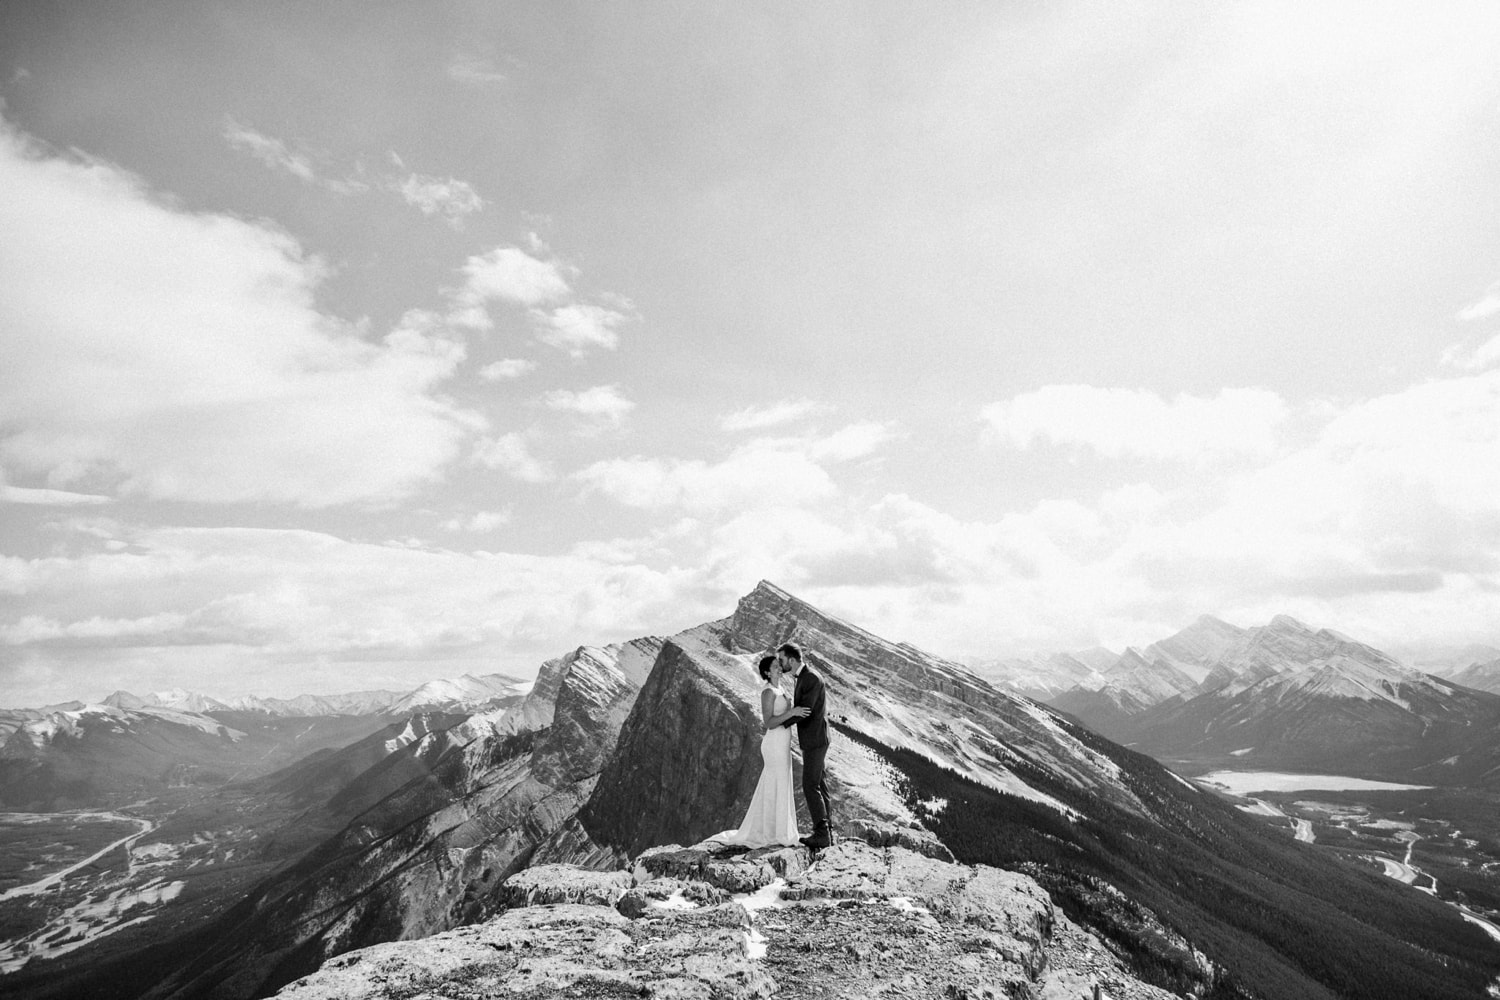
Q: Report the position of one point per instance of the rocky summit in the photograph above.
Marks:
(713, 922)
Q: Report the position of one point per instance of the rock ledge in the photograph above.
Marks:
(715, 923)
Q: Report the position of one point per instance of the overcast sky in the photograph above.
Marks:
(347, 345)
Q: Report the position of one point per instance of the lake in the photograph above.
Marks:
(1242, 782)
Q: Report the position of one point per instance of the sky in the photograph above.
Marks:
(350, 345)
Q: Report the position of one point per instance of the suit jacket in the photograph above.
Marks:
(812, 732)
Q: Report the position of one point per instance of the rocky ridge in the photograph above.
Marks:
(709, 921)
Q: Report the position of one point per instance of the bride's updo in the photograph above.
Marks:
(766, 662)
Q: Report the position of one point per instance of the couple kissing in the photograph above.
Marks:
(771, 819)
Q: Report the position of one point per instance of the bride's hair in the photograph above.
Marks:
(765, 667)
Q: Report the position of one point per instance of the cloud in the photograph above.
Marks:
(241, 609)
(480, 523)
(752, 476)
(505, 274)
(46, 497)
(1487, 305)
(160, 353)
(1473, 359)
(275, 154)
(453, 199)
(851, 442)
(598, 408)
(268, 150)
(578, 327)
(1120, 423)
(510, 454)
(474, 71)
(506, 368)
(765, 472)
(753, 418)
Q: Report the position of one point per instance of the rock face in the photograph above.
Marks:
(858, 921)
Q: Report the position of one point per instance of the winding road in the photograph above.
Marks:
(42, 885)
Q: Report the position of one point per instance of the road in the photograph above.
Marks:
(43, 884)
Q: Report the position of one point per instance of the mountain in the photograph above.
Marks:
(1132, 685)
(1046, 677)
(1198, 648)
(88, 756)
(1297, 698)
(458, 694)
(620, 749)
(461, 694)
(1481, 676)
(1445, 660)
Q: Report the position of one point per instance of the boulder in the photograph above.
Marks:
(663, 895)
(732, 869)
(546, 884)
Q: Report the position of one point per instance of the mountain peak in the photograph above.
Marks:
(766, 588)
(1286, 623)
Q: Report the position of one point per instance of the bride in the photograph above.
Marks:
(772, 816)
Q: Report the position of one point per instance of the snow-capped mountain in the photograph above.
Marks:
(1045, 677)
(466, 693)
(1132, 685)
(1314, 699)
(1196, 649)
(460, 694)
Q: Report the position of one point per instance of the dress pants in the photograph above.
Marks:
(814, 788)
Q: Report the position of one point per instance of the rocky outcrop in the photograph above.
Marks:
(859, 921)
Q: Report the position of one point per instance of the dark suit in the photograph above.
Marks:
(812, 737)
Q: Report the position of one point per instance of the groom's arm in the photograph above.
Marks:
(799, 698)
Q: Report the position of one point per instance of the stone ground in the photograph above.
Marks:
(713, 923)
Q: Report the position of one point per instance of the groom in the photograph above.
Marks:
(812, 736)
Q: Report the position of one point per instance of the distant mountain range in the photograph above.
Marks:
(79, 754)
(1287, 695)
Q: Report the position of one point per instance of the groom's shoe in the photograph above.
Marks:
(818, 839)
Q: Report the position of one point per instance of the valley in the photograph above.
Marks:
(1444, 843)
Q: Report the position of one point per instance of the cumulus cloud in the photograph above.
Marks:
(578, 328)
(505, 274)
(754, 418)
(453, 199)
(506, 368)
(161, 353)
(510, 454)
(602, 407)
(1118, 423)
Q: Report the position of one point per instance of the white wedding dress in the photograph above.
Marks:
(771, 819)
